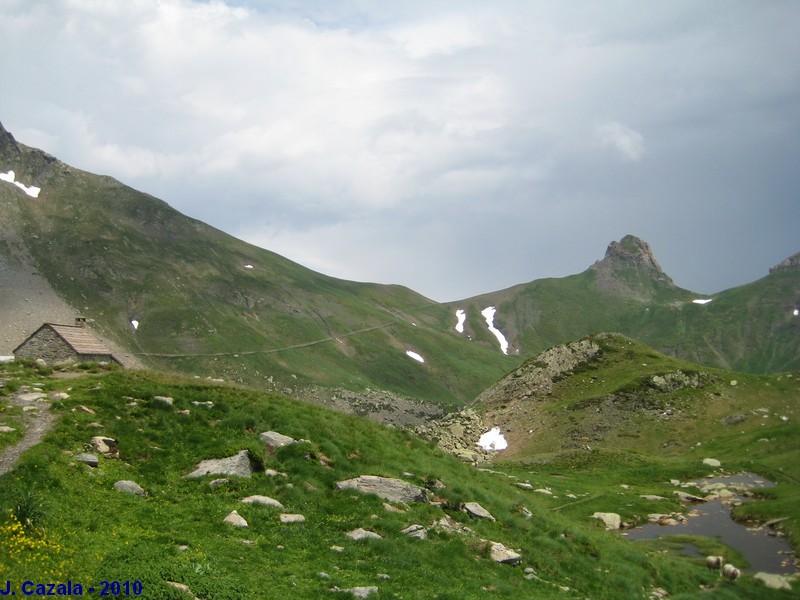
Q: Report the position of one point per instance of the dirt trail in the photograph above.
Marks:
(37, 423)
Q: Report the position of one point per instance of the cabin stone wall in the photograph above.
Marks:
(47, 345)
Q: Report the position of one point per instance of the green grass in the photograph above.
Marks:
(97, 533)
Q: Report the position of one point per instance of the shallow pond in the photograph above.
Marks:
(764, 552)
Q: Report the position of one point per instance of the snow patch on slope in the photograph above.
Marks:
(488, 314)
(462, 317)
(31, 190)
(415, 356)
(702, 300)
(493, 440)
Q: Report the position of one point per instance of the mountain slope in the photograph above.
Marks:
(184, 296)
(72, 523)
(750, 328)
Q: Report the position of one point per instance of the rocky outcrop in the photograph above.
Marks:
(790, 264)
(536, 376)
(458, 434)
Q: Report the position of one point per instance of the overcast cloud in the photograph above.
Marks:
(454, 147)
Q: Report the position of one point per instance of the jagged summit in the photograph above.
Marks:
(790, 264)
(631, 253)
(630, 269)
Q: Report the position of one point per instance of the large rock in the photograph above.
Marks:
(501, 554)
(130, 487)
(274, 440)
(712, 462)
(238, 465)
(89, 459)
(264, 500)
(774, 581)
(612, 520)
(105, 445)
(235, 519)
(363, 534)
(474, 509)
(394, 490)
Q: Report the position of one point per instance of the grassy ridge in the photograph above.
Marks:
(91, 532)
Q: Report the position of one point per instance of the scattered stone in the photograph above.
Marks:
(712, 462)
(393, 490)
(6, 429)
(207, 404)
(274, 440)
(105, 445)
(273, 473)
(86, 409)
(218, 482)
(182, 587)
(774, 581)
(238, 465)
(359, 592)
(544, 491)
(363, 534)
(524, 486)
(291, 518)
(31, 396)
(415, 531)
(686, 497)
(337, 548)
(392, 509)
(651, 497)
(526, 512)
(263, 500)
(58, 395)
(500, 554)
(612, 520)
(474, 509)
(164, 399)
(235, 519)
(185, 411)
(89, 459)
(130, 487)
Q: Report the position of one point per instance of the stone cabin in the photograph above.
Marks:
(56, 343)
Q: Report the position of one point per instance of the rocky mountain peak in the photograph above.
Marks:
(632, 252)
(790, 264)
(630, 255)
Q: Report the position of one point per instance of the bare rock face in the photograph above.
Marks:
(393, 490)
(632, 252)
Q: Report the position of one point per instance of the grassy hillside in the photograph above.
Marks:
(209, 304)
(629, 414)
(76, 526)
(751, 328)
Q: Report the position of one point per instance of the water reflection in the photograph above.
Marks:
(763, 551)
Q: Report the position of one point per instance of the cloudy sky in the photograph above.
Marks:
(456, 147)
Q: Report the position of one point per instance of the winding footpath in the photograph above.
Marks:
(37, 421)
